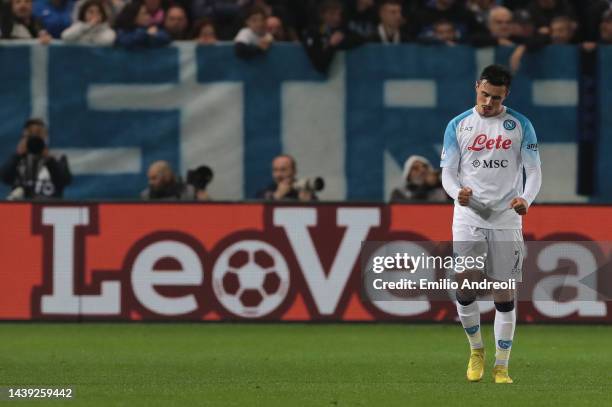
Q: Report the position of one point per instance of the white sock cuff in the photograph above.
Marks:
(468, 309)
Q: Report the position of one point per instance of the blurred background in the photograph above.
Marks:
(130, 96)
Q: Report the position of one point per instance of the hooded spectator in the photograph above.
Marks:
(421, 183)
(92, 26)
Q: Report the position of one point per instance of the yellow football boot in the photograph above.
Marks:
(475, 368)
(500, 374)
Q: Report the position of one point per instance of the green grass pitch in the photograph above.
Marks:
(296, 364)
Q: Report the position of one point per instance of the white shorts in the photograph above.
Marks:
(503, 248)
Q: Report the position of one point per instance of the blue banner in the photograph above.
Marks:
(113, 112)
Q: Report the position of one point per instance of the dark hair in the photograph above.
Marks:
(91, 3)
(201, 23)
(34, 121)
(252, 11)
(126, 19)
(497, 75)
(562, 18)
(390, 2)
(328, 5)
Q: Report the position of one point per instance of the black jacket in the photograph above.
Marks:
(318, 49)
(38, 177)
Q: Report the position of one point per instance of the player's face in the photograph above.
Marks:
(489, 98)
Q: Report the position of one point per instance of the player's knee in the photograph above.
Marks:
(504, 306)
(465, 299)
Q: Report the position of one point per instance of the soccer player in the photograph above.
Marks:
(485, 152)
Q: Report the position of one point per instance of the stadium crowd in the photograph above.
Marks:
(321, 25)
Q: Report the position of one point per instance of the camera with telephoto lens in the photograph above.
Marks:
(35, 145)
(314, 184)
(200, 177)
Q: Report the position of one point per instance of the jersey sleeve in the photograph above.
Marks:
(450, 150)
(529, 146)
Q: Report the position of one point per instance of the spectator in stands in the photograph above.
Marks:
(562, 30)
(362, 17)
(594, 12)
(543, 11)
(33, 172)
(391, 29)
(499, 29)
(17, 22)
(224, 13)
(92, 26)
(253, 40)
(176, 23)
(605, 32)
(165, 185)
(204, 32)
(55, 15)
(111, 9)
(605, 28)
(444, 33)
(135, 28)
(329, 35)
(157, 11)
(451, 10)
(421, 183)
(522, 26)
(480, 10)
(283, 187)
(276, 28)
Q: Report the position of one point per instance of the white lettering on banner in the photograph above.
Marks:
(62, 300)
(204, 112)
(326, 289)
(586, 264)
(555, 92)
(145, 277)
(313, 116)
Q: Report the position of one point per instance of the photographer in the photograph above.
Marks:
(164, 185)
(285, 187)
(32, 171)
(421, 183)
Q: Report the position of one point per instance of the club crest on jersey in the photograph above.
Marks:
(509, 124)
(483, 142)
